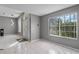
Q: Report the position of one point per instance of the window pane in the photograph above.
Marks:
(64, 25)
(68, 25)
(74, 17)
(54, 26)
(67, 20)
(69, 28)
(61, 20)
(62, 33)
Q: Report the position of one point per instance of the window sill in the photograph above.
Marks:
(63, 37)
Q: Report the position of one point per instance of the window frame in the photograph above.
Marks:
(59, 29)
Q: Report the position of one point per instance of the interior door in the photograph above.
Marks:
(35, 27)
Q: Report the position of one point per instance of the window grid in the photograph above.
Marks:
(66, 21)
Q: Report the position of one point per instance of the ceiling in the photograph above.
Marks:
(36, 9)
(8, 12)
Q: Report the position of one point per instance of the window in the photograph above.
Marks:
(64, 25)
(54, 29)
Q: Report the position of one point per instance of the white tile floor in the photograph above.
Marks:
(39, 47)
(7, 40)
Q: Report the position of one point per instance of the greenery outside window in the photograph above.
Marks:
(64, 25)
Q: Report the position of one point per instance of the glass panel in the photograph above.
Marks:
(62, 33)
(53, 30)
(68, 25)
(67, 20)
(54, 26)
(64, 25)
(61, 21)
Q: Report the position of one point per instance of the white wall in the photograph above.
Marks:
(9, 25)
(35, 27)
(30, 26)
(44, 28)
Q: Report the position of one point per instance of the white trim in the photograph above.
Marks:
(77, 26)
(59, 28)
(62, 37)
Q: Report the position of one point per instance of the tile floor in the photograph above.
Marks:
(41, 46)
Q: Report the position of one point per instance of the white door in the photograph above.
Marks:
(35, 27)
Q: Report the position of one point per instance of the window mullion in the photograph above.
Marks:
(66, 26)
(76, 16)
(59, 28)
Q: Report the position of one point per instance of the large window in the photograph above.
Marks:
(64, 25)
